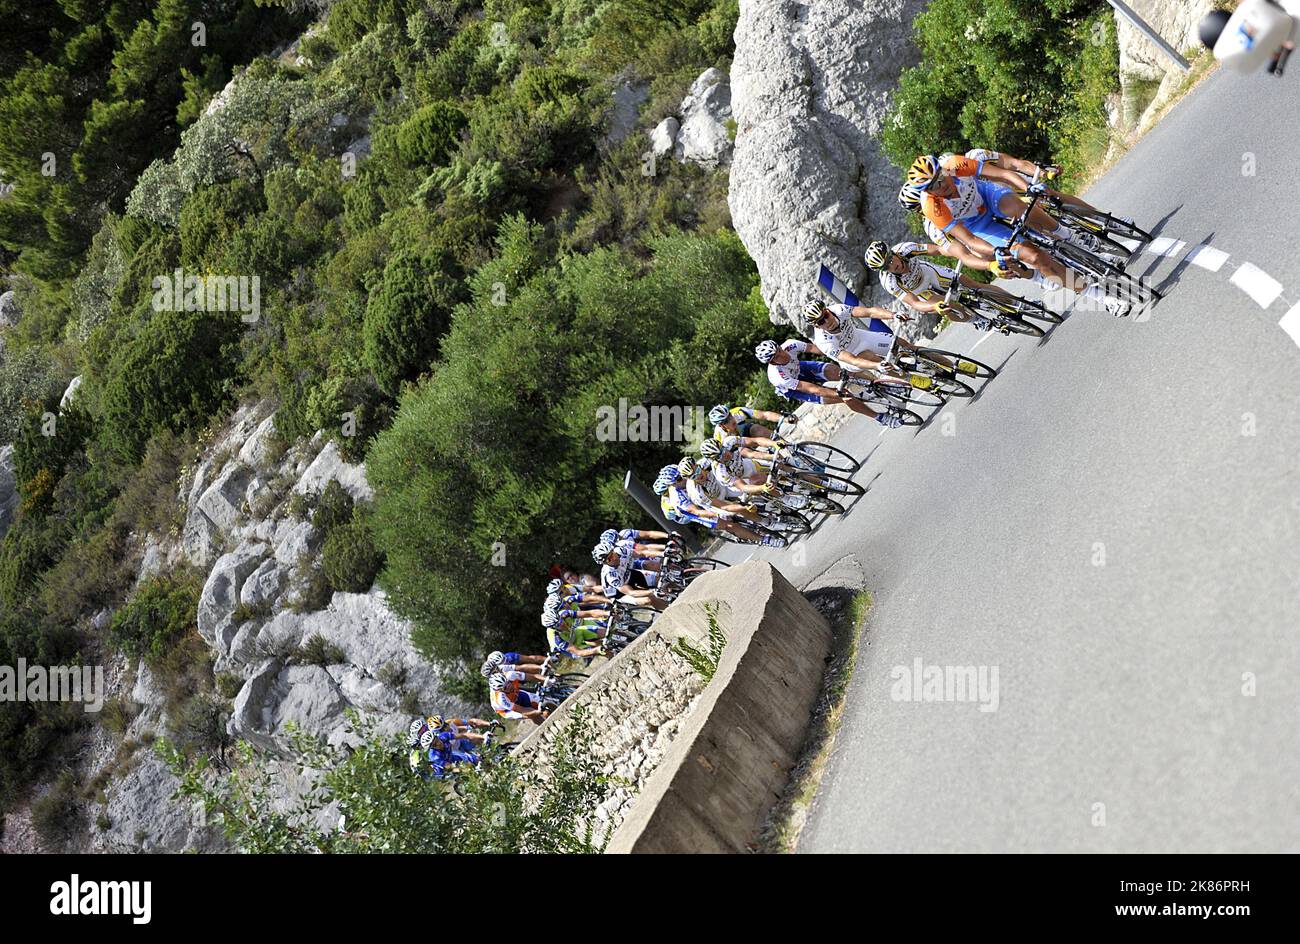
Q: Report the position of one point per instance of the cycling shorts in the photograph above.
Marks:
(986, 226)
(813, 372)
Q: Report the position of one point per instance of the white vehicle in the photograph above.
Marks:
(1259, 32)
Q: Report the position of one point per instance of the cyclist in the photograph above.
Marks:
(805, 380)
(705, 489)
(1025, 170)
(857, 349)
(743, 421)
(510, 700)
(511, 661)
(967, 207)
(733, 471)
(677, 506)
(922, 284)
(576, 638)
(909, 198)
(626, 572)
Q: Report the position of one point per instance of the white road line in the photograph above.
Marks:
(1290, 323)
(1207, 257)
(1164, 246)
(1257, 283)
(1129, 244)
(984, 337)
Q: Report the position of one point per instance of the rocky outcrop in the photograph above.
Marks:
(10, 313)
(809, 183)
(1147, 77)
(704, 135)
(8, 489)
(628, 96)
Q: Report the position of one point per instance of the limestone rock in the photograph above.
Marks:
(221, 592)
(809, 183)
(664, 136)
(330, 466)
(8, 488)
(703, 137)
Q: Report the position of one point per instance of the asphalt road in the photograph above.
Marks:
(1114, 525)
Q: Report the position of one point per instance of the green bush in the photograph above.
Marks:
(349, 557)
(57, 816)
(317, 650)
(431, 134)
(404, 321)
(333, 508)
(159, 614)
(174, 376)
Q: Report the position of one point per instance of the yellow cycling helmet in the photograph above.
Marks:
(909, 198)
(436, 721)
(923, 171)
(687, 467)
(878, 254)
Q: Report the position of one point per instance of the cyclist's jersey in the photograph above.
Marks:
(744, 418)
(921, 278)
(938, 236)
(981, 156)
(614, 576)
(967, 204)
(729, 472)
(785, 377)
(673, 504)
(707, 492)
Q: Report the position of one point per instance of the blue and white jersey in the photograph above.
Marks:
(785, 377)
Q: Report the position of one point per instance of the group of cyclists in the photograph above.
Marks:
(750, 484)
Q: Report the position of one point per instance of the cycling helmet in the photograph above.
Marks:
(601, 551)
(878, 254)
(909, 198)
(609, 534)
(413, 732)
(812, 313)
(710, 449)
(426, 739)
(923, 171)
(555, 585)
(1212, 27)
(436, 721)
(497, 683)
(667, 476)
(765, 351)
(718, 415)
(687, 467)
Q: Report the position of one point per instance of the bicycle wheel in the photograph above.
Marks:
(1080, 259)
(1097, 226)
(1028, 308)
(703, 564)
(828, 457)
(966, 366)
(821, 505)
(1014, 324)
(835, 484)
(903, 395)
(908, 417)
(573, 679)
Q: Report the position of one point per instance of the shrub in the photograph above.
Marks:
(157, 615)
(174, 376)
(404, 320)
(349, 558)
(57, 816)
(431, 134)
(333, 508)
(319, 651)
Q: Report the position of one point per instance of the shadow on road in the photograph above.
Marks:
(985, 385)
(1176, 274)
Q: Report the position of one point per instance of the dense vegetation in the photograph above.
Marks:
(1026, 76)
(448, 248)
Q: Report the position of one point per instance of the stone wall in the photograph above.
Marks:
(701, 764)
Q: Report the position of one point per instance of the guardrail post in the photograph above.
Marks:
(649, 503)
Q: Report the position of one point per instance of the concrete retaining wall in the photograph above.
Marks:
(732, 754)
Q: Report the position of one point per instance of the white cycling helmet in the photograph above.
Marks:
(554, 586)
(497, 682)
(718, 415)
(601, 551)
(710, 449)
(667, 476)
(413, 732)
(909, 198)
(687, 467)
(765, 351)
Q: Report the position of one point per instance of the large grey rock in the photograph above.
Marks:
(1175, 20)
(146, 690)
(300, 540)
(256, 451)
(809, 184)
(330, 466)
(221, 593)
(8, 488)
(10, 312)
(264, 585)
(664, 136)
(703, 137)
(224, 502)
(73, 386)
(249, 713)
(144, 814)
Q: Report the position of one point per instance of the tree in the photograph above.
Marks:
(173, 376)
(405, 319)
(431, 134)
